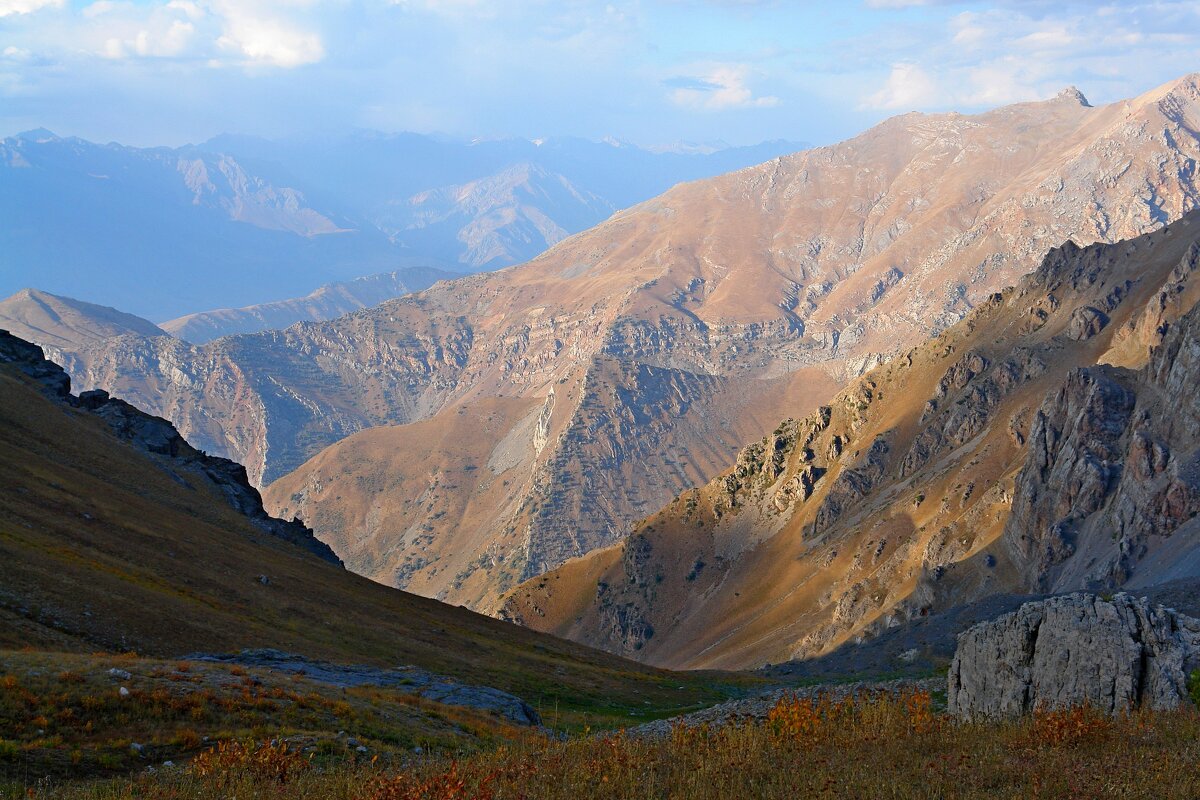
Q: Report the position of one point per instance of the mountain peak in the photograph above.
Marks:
(38, 135)
(1073, 93)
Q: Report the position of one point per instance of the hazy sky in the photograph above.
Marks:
(648, 71)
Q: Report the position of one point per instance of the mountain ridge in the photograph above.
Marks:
(116, 537)
(235, 221)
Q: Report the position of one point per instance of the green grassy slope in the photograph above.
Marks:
(104, 549)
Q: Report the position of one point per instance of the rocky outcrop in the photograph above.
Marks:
(1112, 655)
(157, 437)
(413, 680)
(1112, 470)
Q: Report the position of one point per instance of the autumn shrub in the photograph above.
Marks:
(228, 761)
(1054, 727)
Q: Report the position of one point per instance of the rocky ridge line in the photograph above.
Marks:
(158, 438)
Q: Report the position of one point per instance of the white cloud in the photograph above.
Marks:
(272, 42)
(720, 87)
(10, 7)
(907, 87)
(189, 9)
(217, 33)
(1018, 51)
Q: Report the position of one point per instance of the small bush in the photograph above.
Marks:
(229, 761)
(1068, 726)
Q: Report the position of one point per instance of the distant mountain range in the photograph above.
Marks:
(329, 301)
(460, 440)
(62, 323)
(164, 232)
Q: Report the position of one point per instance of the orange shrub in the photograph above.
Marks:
(1067, 726)
(266, 761)
(446, 785)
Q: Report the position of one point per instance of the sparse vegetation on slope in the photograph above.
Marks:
(869, 747)
(79, 716)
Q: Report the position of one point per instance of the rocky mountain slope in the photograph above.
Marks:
(158, 440)
(116, 536)
(554, 404)
(1046, 443)
(328, 302)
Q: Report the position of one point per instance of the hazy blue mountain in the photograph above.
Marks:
(162, 232)
(390, 178)
(328, 302)
(240, 221)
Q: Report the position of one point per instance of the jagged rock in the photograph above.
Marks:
(1113, 655)
(417, 681)
(30, 360)
(959, 375)
(1111, 472)
(1085, 323)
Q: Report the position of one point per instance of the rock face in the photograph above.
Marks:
(1113, 655)
(1112, 474)
(156, 436)
(662, 361)
(417, 681)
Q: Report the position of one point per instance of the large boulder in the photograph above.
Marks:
(1113, 655)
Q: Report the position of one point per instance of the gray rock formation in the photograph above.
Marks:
(158, 438)
(1076, 649)
(417, 681)
(1112, 475)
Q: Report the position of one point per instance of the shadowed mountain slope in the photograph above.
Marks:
(1008, 455)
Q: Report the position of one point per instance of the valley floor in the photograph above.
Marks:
(882, 744)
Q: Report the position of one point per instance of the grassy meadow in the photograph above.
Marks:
(872, 746)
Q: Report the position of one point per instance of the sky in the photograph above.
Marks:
(651, 72)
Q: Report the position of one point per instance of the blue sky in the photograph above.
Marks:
(648, 71)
